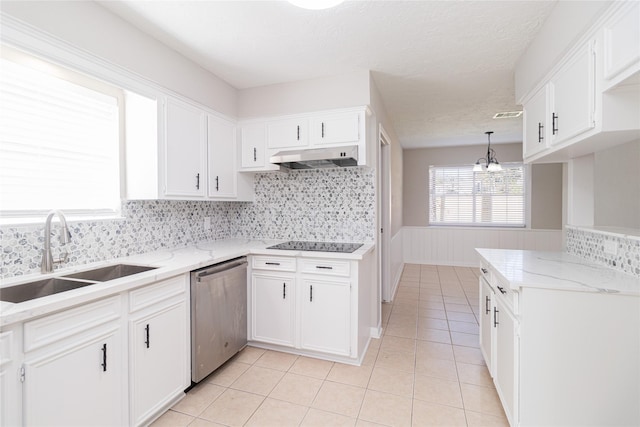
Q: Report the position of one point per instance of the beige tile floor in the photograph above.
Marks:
(426, 370)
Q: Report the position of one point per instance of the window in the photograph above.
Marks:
(459, 196)
(59, 140)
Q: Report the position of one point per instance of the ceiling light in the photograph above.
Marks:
(315, 4)
(508, 115)
(491, 162)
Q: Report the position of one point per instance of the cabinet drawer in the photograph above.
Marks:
(149, 295)
(46, 330)
(326, 267)
(505, 292)
(273, 263)
(485, 272)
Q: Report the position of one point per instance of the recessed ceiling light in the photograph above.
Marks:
(508, 115)
(315, 4)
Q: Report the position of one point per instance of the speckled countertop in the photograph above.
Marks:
(169, 263)
(557, 270)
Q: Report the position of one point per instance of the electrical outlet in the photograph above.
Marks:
(207, 223)
(610, 247)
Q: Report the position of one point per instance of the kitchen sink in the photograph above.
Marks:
(54, 285)
(39, 289)
(104, 274)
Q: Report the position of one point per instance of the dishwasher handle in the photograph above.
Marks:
(220, 268)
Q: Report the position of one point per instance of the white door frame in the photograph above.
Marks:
(384, 209)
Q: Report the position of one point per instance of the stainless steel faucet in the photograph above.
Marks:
(65, 237)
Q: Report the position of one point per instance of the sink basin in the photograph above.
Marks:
(111, 272)
(38, 289)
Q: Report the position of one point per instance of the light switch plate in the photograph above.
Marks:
(207, 223)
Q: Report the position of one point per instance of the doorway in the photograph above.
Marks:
(384, 207)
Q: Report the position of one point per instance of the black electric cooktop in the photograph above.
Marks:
(317, 246)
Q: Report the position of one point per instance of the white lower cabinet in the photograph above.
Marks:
(309, 306)
(76, 367)
(487, 339)
(273, 308)
(158, 356)
(77, 384)
(561, 358)
(325, 316)
(506, 357)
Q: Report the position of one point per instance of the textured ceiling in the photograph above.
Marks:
(443, 68)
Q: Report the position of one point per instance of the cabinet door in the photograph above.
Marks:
(326, 316)
(486, 324)
(253, 146)
(622, 43)
(573, 96)
(335, 129)
(506, 357)
(158, 352)
(221, 144)
(185, 150)
(288, 133)
(80, 384)
(272, 308)
(535, 124)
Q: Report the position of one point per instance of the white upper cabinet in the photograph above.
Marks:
(221, 144)
(572, 92)
(535, 122)
(185, 150)
(592, 91)
(335, 129)
(288, 133)
(622, 44)
(252, 146)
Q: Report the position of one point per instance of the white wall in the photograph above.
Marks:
(93, 28)
(567, 22)
(617, 186)
(396, 160)
(347, 90)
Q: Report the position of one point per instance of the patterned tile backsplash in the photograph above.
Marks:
(327, 205)
(590, 245)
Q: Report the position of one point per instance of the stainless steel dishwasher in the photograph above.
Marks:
(218, 315)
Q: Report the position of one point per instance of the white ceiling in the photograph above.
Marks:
(443, 68)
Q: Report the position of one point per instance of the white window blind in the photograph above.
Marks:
(59, 144)
(459, 196)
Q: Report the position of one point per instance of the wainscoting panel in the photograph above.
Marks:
(455, 246)
(396, 261)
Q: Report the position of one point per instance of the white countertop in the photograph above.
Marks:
(169, 263)
(557, 270)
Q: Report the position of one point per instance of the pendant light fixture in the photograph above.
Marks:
(491, 162)
(315, 4)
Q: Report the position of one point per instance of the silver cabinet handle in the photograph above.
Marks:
(284, 291)
(146, 329)
(272, 263)
(487, 300)
(197, 181)
(324, 267)
(255, 154)
(310, 293)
